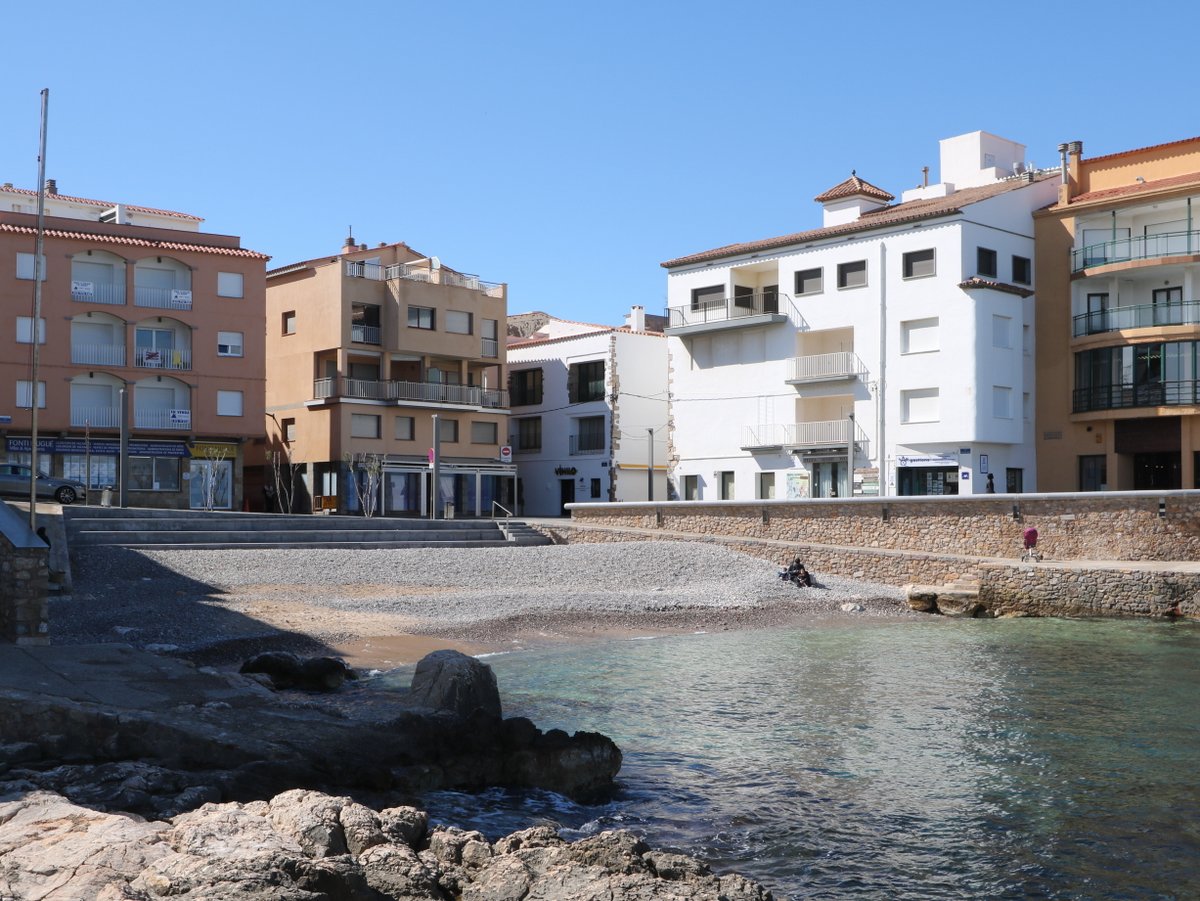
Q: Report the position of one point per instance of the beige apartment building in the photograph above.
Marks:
(366, 350)
(1118, 322)
(149, 341)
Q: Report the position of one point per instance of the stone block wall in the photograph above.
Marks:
(24, 576)
(1041, 590)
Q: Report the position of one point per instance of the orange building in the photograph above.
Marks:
(1118, 322)
(150, 334)
(364, 349)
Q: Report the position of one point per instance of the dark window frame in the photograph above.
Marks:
(913, 261)
(1024, 265)
(847, 271)
(417, 318)
(987, 262)
(802, 278)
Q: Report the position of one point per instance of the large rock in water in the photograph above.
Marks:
(452, 682)
(304, 846)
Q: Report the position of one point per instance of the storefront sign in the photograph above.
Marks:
(564, 470)
(109, 447)
(939, 460)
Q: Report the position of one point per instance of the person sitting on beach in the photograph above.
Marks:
(798, 575)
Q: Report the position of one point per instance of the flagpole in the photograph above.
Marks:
(38, 275)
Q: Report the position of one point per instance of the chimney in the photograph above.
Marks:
(636, 319)
(349, 245)
(51, 186)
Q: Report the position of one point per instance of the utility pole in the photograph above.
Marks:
(850, 458)
(39, 273)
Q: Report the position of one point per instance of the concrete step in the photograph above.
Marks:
(318, 545)
(215, 536)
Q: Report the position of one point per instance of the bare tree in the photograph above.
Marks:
(216, 477)
(285, 471)
(366, 488)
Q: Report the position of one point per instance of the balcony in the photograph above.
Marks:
(98, 354)
(366, 334)
(1144, 315)
(162, 298)
(96, 417)
(112, 293)
(489, 348)
(1142, 247)
(167, 358)
(162, 419)
(833, 433)
(585, 445)
(422, 271)
(835, 367)
(1181, 393)
(742, 311)
(410, 392)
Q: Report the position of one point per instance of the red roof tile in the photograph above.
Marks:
(854, 187)
(1160, 184)
(137, 242)
(1138, 150)
(106, 204)
(977, 282)
(912, 211)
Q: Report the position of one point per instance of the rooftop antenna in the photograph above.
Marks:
(38, 275)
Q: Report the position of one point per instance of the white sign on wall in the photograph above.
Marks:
(506, 453)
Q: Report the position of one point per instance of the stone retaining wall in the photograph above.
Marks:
(1047, 590)
(24, 576)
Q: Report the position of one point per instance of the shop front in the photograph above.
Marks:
(918, 476)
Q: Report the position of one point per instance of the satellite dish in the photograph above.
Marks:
(435, 263)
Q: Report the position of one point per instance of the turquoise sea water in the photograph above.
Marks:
(887, 759)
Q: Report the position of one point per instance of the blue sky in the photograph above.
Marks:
(565, 148)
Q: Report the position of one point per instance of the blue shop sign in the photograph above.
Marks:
(102, 447)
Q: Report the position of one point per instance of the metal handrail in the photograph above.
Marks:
(724, 309)
(1142, 315)
(1124, 395)
(843, 364)
(508, 515)
(1141, 247)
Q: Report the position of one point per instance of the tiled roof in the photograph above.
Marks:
(1111, 156)
(136, 242)
(854, 187)
(603, 330)
(977, 282)
(106, 204)
(1160, 184)
(912, 211)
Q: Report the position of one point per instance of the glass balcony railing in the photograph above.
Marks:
(98, 354)
(1143, 315)
(1142, 247)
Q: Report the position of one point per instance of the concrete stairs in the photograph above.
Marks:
(175, 529)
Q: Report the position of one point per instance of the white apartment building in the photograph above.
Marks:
(888, 352)
(589, 412)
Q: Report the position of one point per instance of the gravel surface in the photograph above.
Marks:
(197, 598)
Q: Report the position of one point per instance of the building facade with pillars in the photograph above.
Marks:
(148, 326)
(1118, 321)
(366, 350)
(590, 411)
(887, 352)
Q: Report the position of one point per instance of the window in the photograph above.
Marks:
(919, 336)
(766, 486)
(448, 430)
(404, 428)
(25, 266)
(488, 330)
(714, 295)
(483, 433)
(1093, 472)
(595, 488)
(1001, 331)
(1026, 408)
(364, 425)
(919, 264)
(1014, 481)
(1022, 270)
(585, 382)
(229, 403)
(852, 275)
(810, 281)
(229, 284)
(153, 474)
(289, 322)
(985, 262)
(529, 433)
(25, 395)
(691, 488)
(229, 344)
(25, 330)
(421, 317)
(525, 387)
(920, 405)
(726, 483)
(590, 434)
(1002, 402)
(458, 322)
(289, 430)
(1026, 340)
(104, 469)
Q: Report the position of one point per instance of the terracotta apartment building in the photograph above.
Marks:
(365, 349)
(1118, 322)
(149, 327)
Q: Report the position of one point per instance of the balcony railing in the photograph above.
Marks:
(826, 367)
(1143, 315)
(581, 445)
(96, 417)
(1182, 393)
(422, 392)
(98, 354)
(145, 358)
(162, 419)
(423, 272)
(828, 433)
(162, 298)
(98, 292)
(489, 348)
(1142, 247)
(362, 269)
(724, 310)
(365, 334)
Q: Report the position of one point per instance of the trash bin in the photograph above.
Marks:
(106, 497)
(447, 511)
